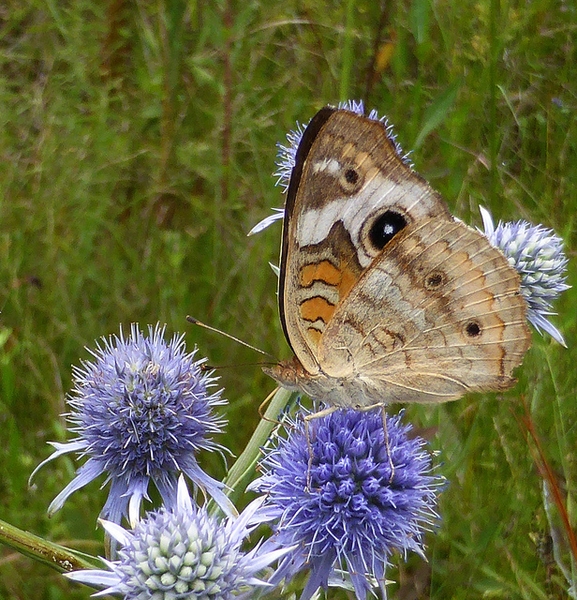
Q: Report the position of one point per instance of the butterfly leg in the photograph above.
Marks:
(382, 406)
(308, 419)
(387, 443)
(264, 404)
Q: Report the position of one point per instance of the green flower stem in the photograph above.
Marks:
(58, 557)
(245, 464)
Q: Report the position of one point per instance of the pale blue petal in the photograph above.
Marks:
(540, 322)
(264, 559)
(267, 221)
(211, 487)
(183, 501)
(246, 520)
(116, 503)
(116, 531)
(61, 449)
(319, 576)
(94, 577)
(489, 227)
(87, 472)
(275, 269)
(134, 505)
(167, 486)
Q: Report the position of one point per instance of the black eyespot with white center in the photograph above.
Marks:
(385, 227)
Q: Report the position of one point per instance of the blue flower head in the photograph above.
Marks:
(348, 494)
(183, 552)
(141, 410)
(537, 255)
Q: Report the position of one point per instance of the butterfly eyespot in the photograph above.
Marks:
(385, 227)
(435, 280)
(351, 176)
(350, 180)
(473, 329)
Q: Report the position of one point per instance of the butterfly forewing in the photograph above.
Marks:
(341, 185)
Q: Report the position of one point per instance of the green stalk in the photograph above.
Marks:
(58, 557)
(244, 467)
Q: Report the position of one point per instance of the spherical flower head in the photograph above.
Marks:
(537, 255)
(142, 409)
(348, 493)
(183, 552)
(286, 154)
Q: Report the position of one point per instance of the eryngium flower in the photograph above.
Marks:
(347, 496)
(537, 255)
(183, 552)
(141, 410)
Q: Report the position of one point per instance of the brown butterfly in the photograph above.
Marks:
(384, 296)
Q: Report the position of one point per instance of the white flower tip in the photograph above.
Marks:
(134, 509)
(56, 505)
(555, 334)
(487, 220)
(115, 531)
(275, 269)
(262, 225)
(182, 496)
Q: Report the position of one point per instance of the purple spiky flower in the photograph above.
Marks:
(347, 494)
(141, 411)
(536, 253)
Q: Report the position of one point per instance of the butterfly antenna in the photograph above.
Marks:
(230, 337)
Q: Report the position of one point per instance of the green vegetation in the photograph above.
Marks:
(137, 141)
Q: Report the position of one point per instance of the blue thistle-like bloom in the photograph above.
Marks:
(347, 496)
(287, 154)
(141, 412)
(183, 552)
(537, 255)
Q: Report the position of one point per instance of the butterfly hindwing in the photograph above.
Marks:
(437, 315)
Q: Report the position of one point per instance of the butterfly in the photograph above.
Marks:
(384, 296)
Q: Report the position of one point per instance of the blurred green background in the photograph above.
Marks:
(137, 144)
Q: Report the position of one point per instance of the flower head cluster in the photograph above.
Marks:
(141, 411)
(537, 255)
(183, 553)
(348, 490)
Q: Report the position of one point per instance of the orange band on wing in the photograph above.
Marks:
(343, 279)
(322, 271)
(314, 335)
(348, 279)
(317, 308)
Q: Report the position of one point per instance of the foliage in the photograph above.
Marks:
(137, 145)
